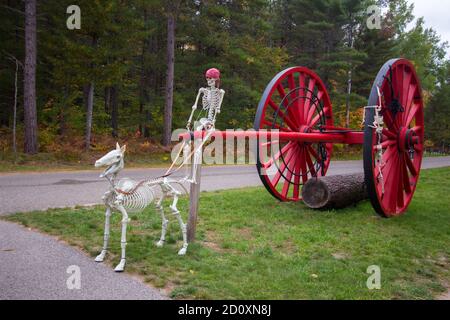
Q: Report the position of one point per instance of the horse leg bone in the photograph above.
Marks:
(123, 243)
(186, 160)
(102, 255)
(165, 223)
(177, 214)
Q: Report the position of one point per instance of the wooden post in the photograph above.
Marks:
(194, 197)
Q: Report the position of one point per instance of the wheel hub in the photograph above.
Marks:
(407, 139)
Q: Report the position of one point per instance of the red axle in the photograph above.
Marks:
(347, 137)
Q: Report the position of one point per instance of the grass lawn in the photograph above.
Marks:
(253, 247)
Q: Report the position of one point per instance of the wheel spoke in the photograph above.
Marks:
(385, 144)
(293, 109)
(418, 148)
(406, 179)
(312, 108)
(399, 81)
(282, 168)
(286, 119)
(391, 186)
(272, 160)
(406, 87)
(290, 168)
(412, 113)
(389, 134)
(409, 100)
(389, 121)
(316, 119)
(269, 143)
(417, 129)
(400, 183)
(301, 81)
(286, 104)
(411, 166)
(311, 86)
(310, 164)
(275, 126)
(399, 73)
(389, 153)
(303, 168)
(313, 152)
(296, 193)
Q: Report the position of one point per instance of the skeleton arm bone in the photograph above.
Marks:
(194, 107)
(222, 95)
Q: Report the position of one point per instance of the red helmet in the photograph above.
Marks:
(213, 73)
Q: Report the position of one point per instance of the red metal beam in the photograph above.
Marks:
(353, 137)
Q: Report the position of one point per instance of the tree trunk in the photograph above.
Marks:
(114, 111)
(15, 110)
(350, 80)
(89, 103)
(30, 113)
(334, 192)
(148, 119)
(62, 113)
(349, 92)
(143, 82)
(167, 133)
(107, 99)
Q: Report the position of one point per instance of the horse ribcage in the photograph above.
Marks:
(136, 197)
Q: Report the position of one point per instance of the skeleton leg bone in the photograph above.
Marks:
(183, 228)
(120, 267)
(102, 255)
(197, 157)
(165, 222)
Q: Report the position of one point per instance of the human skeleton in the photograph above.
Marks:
(127, 195)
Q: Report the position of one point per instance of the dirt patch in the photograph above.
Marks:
(445, 296)
(211, 242)
(244, 233)
(340, 255)
(289, 247)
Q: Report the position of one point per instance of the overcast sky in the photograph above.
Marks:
(436, 14)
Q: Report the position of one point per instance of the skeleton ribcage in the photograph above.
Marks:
(211, 101)
(135, 197)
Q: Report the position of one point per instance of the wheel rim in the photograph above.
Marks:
(402, 142)
(296, 100)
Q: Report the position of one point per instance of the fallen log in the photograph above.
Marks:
(334, 192)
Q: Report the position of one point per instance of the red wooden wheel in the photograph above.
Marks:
(392, 180)
(296, 100)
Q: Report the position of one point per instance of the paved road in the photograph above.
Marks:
(34, 266)
(40, 191)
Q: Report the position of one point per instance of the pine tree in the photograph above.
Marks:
(30, 119)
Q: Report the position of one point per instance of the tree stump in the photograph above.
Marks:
(334, 192)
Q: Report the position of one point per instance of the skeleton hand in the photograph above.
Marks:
(194, 107)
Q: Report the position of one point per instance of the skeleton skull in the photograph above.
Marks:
(212, 77)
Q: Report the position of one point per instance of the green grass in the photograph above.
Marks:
(252, 247)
